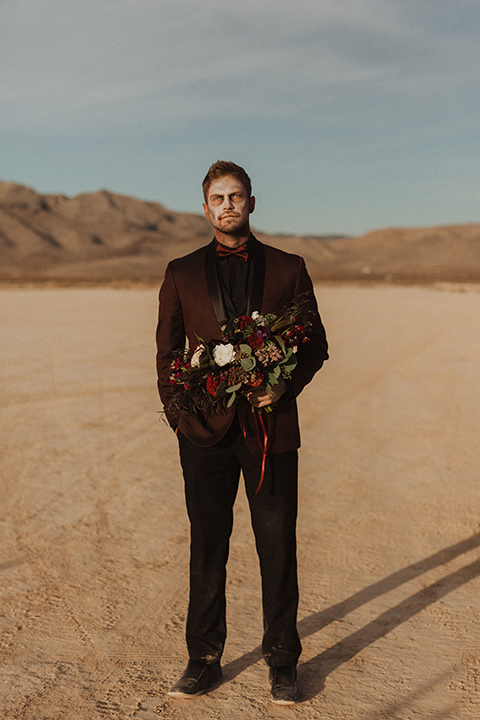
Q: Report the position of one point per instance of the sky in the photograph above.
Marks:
(348, 115)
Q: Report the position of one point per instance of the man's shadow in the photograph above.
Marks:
(317, 669)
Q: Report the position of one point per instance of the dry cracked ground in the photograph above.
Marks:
(94, 535)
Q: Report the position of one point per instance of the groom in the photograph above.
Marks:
(235, 275)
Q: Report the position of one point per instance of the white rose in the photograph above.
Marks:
(259, 319)
(195, 361)
(223, 354)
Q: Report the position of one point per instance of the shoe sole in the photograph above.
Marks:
(284, 702)
(185, 696)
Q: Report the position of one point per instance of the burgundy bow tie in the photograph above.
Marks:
(241, 252)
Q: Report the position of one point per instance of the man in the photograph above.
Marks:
(235, 275)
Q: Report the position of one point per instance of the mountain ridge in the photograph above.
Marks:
(106, 236)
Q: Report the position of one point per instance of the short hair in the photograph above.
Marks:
(222, 168)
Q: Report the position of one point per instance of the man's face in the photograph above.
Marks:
(228, 206)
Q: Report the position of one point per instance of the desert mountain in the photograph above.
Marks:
(103, 236)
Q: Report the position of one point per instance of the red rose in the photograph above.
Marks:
(212, 384)
(244, 321)
(254, 342)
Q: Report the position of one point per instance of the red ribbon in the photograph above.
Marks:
(265, 447)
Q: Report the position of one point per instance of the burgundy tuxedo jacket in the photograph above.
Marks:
(191, 306)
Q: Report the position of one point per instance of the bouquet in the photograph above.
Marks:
(254, 350)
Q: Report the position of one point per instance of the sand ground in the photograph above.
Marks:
(94, 534)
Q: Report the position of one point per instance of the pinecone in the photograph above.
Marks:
(236, 374)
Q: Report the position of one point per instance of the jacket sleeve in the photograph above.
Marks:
(312, 354)
(170, 337)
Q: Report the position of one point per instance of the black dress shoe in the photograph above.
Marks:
(284, 689)
(197, 679)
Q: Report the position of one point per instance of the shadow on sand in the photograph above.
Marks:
(317, 669)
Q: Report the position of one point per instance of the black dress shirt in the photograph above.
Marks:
(234, 276)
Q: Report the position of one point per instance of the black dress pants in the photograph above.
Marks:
(211, 477)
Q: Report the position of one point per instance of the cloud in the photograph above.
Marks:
(87, 67)
(382, 90)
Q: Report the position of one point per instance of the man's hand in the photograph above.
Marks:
(259, 397)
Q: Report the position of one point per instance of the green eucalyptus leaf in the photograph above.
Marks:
(290, 357)
(234, 388)
(289, 367)
(245, 348)
(248, 363)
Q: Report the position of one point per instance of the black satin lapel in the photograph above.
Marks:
(214, 285)
(257, 279)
